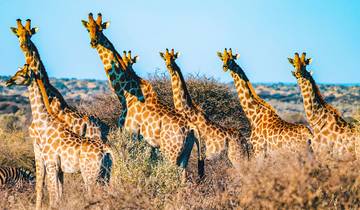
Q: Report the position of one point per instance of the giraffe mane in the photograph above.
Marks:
(321, 97)
(44, 95)
(150, 88)
(248, 83)
(189, 100)
(42, 70)
(257, 98)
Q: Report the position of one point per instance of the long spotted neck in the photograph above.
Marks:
(249, 100)
(40, 115)
(108, 53)
(32, 58)
(123, 80)
(314, 104)
(181, 95)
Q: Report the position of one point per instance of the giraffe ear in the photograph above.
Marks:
(177, 54)
(308, 61)
(85, 23)
(14, 30)
(162, 55)
(291, 61)
(135, 59)
(237, 56)
(34, 30)
(219, 55)
(105, 25)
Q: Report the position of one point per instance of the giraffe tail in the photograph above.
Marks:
(199, 142)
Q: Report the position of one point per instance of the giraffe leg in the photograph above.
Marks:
(90, 171)
(184, 175)
(89, 180)
(52, 171)
(235, 152)
(40, 178)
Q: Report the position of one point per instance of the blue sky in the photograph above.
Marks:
(265, 33)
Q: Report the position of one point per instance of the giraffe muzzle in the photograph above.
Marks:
(9, 83)
(296, 74)
(225, 68)
(23, 45)
(93, 43)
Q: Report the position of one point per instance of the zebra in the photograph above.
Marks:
(11, 176)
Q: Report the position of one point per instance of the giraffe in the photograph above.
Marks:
(216, 138)
(79, 123)
(331, 132)
(268, 130)
(58, 150)
(143, 113)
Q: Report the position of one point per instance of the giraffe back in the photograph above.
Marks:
(81, 124)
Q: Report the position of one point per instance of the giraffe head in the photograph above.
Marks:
(128, 60)
(300, 64)
(25, 77)
(95, 29)
(169, 58)
(24, 33)
(228, 58)
(22, 77)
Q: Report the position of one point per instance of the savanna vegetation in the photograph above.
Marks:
(141, 179)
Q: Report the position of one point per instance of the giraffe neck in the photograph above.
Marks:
(181, 95)
(314, 104)
(124, 81)
(40, 116)
(249, 100)
(33, 59)
(108, 53)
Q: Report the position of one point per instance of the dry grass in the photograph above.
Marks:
(141, 179)
(16, 146)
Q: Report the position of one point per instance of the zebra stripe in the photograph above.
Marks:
(13, 175)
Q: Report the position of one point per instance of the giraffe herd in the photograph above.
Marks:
(67, 141)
